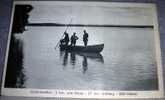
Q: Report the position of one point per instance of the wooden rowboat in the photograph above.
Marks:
(90, 48)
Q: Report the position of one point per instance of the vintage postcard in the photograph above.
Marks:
(83, 50)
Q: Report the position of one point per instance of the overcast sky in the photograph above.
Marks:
(91, 15)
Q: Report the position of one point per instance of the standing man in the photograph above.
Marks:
(85, 38)
(65, 40)
(74, 38)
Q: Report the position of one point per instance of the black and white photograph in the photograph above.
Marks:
(83, 46)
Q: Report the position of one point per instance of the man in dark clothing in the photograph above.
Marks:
(74, 38)
(85, 38)
(65, 40)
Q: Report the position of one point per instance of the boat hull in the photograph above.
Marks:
(90, 48)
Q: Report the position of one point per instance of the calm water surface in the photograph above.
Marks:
(126, 63)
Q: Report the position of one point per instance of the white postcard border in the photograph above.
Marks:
(89, 93)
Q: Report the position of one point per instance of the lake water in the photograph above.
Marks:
(126, 63)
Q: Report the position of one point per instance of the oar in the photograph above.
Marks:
(63, 34)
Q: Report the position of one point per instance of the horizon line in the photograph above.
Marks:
(89, 25)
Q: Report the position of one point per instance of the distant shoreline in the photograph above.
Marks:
(89, 25)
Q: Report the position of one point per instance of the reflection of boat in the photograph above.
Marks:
(94, 56)
(90, 48)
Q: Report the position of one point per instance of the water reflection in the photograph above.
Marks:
(93, 56)
(15, 77)
(97, 57)
(73, 58)
(85, 64)
(64, 56)
(65, 60)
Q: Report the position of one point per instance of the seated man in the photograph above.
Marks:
(65, 40)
